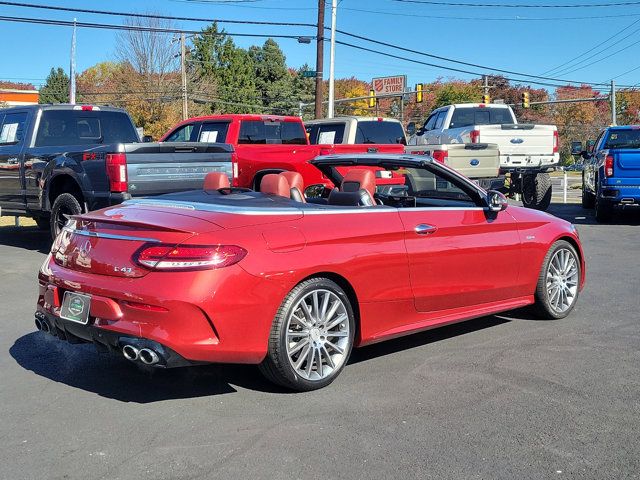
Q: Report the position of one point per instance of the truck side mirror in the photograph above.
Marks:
(411, 128)
(590, 145)
(576, 148)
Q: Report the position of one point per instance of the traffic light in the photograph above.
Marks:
(372, 98)
(418, 93)
(486, 98)
(525, 99)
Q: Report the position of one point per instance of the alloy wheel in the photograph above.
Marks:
(318, 335)
(562, 280)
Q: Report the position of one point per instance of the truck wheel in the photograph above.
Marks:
(588, 199)
(536, 191)
(311, 336)
(64, 205)
(604, 210)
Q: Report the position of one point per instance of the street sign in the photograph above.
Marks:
(309, 74)
(389, 85)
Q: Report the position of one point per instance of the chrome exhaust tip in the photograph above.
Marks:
(38, 324)
(45, 326)
(130, 352)
(148, 356)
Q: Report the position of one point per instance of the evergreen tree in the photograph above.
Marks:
(56, 88)
(273, 80)
(304, 90)
(228, 71)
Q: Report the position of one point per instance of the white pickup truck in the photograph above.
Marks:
(355, 130)
(527, 152)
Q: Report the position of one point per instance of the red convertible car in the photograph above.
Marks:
(294, 283)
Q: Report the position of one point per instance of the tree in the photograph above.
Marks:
(16, 85)
(273, 81)
(56, 87)
(223, 73)
(303, 88)
(350, 88)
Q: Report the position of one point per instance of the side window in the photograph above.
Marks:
(433, 189)
(329, 133)
(214, 132)
(292, 133)
(440, 120)
(13, 128)
(431, 121)
(182, 134)
(597, 144)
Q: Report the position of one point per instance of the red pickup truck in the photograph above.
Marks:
(265, 144)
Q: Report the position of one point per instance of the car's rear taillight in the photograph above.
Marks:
(235, 171)
(188, 257)
(117, 171)
(440, 155)
(608, 166)
(475, 136)
(556, 144)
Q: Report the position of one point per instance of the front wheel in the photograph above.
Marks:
(559, 281)
(311, 336)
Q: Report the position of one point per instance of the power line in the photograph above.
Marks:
(154, 16)
(559, 67)
(110, 26)
(521, 5)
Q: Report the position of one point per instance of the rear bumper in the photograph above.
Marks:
(620, 194)
(216, 316)
(96, 201)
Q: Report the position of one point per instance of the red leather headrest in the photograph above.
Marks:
(216, 180)
(295, 180)
(274, 184)
(355, 179)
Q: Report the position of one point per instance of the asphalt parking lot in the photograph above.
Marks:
(499, 397)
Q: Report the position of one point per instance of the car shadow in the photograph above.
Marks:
(577, 215)
(29, 238)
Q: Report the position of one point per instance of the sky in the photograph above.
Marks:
(525, 40)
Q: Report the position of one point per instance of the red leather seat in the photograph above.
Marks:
(216, 180)
(274, 184)
(296, 183)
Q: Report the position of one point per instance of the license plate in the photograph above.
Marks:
(76, 307)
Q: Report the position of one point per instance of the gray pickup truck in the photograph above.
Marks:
(60, 160)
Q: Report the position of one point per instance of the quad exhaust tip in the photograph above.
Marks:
(130, 352)
(43, 325)
(148, 356)
(38, 324)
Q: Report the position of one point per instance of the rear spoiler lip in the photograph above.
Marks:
(128, 223)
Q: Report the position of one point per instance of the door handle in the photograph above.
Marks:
(424, 229)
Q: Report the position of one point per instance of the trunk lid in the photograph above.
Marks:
(105, 242)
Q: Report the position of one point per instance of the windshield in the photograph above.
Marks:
(465, 117)
(84, 127)
(623, 139)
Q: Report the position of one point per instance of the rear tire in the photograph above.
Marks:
(64, 205)
(536, 191)
(559, 281)
(604, 209)
(311, 336)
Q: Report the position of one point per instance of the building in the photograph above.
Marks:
(11, 97)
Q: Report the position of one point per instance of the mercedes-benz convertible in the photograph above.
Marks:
(292, 278)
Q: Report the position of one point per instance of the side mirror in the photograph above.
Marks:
(497, 201)
(317, 191)
(147, 139)
(411, 128)
(590, 145)
(576, 148)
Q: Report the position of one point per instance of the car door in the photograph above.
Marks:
(12, 135)
(460, 254)
(439, 135)
(428, 136)
(588, 176)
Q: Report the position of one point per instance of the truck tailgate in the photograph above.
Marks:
(474, 160)
(155, 168)
(627, 163)
(519, 139)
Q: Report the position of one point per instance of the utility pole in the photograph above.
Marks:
(613, 103)
(485, 86)
(183, 71)
(319, 58)
(334, 8)
(72, 67)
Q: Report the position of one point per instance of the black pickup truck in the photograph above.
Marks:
(59, 160)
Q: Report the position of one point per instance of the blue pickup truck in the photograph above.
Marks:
(611, 175)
